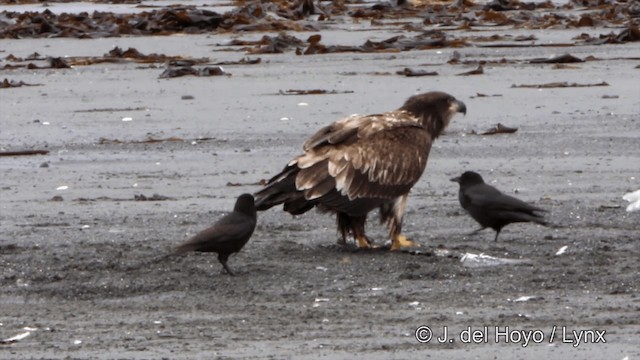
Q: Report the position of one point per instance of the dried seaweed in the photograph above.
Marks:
(243, 61)
(178, 71)
(140, 197)
(115, 55)
(24, 153)
(630, 34)
(146, 141)
(278, 15)
(154, 197)
(562, 59)
(6, 83)
(477, 71)
(150, 140)
(313, 92)
(411, 73)
(485, 95)
(111, 110)
(563, 84)
(499, 129)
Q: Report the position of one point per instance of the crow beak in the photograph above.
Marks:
(457, 178)
(461, 107)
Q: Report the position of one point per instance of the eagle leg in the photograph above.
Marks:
(353, 225)
(392, 213)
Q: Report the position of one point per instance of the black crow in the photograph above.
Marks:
(228, 235)
(362, 163)
(491, 208)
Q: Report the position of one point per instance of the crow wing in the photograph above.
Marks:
(489, 198)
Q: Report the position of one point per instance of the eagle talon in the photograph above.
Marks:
(365, 243)
(401, 241)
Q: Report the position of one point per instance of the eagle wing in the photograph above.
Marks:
(375, 156)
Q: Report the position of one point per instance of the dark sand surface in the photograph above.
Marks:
(86, 277)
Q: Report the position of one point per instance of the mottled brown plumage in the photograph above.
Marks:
(361, 163)
(228, 235)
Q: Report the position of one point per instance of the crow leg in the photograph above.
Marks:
(474, 232)
(497, 233)
(223, 260)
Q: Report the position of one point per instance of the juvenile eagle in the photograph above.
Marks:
(361, 163)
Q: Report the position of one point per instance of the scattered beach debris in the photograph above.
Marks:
(634, 199)
(24, 153)
(150, 140)
(411, 72)
(562, 59)
(477, 71)
(15, 338)
(562, 250)
(6, 83)
(243, 61)
(480, 260)
(154, 197)
(234, 184)
(313, 92)
(499, 129)
(112, 110)
(115, 55)
(527, 298)
(485, 95)
(562, 84)
(177, 71)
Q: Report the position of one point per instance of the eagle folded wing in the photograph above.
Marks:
(374, 156)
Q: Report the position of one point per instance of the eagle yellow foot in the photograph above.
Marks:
(364, 243)
(401, 241)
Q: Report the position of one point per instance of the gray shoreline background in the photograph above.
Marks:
(79, 256)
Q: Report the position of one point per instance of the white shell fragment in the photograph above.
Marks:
(634, 199)
(478, 260)
(562, 250)
(526, 298)
(15, 338)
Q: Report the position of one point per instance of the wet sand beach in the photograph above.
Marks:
(133, 164)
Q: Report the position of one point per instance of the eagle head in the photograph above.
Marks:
(434, 110)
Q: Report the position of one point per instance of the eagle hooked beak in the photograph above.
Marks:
(461, 107)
